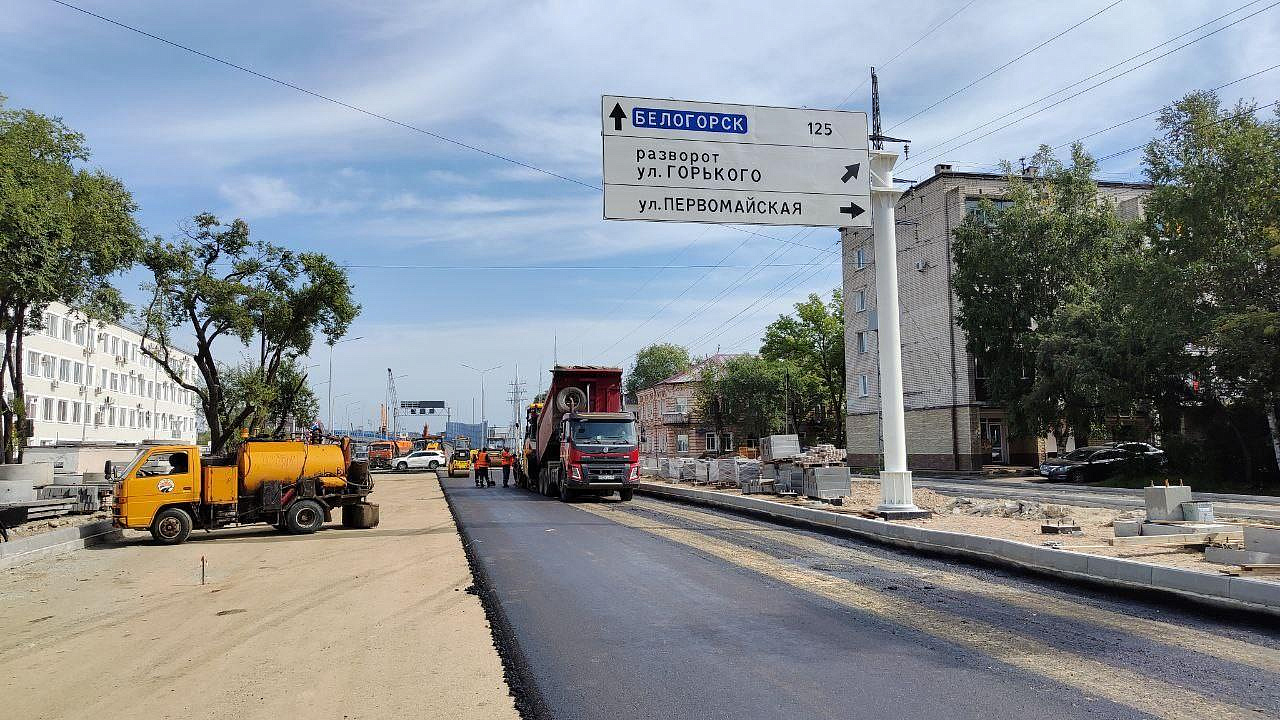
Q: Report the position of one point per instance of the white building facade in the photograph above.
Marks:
(89, 381)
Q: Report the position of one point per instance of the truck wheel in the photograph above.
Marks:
(626, 494)
(304, 517)
(402, 466)
(171, 526)
(566, 495)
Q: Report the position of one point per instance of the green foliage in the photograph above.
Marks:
(286, 396)
(216, 282)
(65, 231)
(809, 347)
(746, 392)
(656, 363)
(1031, 279)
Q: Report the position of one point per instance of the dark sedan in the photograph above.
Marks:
(1150, 456)
(1087, 464)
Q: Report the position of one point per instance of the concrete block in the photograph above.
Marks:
(1262, 539)
(1127, 528)
(1119, 569)
(1189, 529)
(1231, 556)
(1165, 502)
(1199, 512)
(1191, 581)
(1258, 592)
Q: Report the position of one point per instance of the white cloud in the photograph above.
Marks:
(260, 196)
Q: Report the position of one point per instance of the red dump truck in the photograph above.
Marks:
(579, 442)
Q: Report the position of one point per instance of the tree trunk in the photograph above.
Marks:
(1273, 422)
(19, 437)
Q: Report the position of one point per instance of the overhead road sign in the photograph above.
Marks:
(684, 161)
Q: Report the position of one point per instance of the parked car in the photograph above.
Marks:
(1088, 464)
(1151, 457)
(427, 459)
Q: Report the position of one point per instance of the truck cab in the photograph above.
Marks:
(158, 477)
(599, 453)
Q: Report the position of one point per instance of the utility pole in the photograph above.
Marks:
(895, 478)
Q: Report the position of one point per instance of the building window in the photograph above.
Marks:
(711, 442)
(47, 363)
(75, 412)
(115, 381)
(864, 386)
(860, 300)
(860, 258)
(115, 345)
(151, 389)
(33, 407)
(51, 325)
(78, 374)
(79, 334)
(102, 382)
(860, 341)
(33, 363)
(62, 411)
(973, 206)
(64, 370)
(46, 409)
(682, 443)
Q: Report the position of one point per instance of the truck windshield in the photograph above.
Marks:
(600, 432)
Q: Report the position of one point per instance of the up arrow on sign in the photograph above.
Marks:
(617, 116)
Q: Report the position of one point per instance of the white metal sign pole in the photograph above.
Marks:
(895, 479)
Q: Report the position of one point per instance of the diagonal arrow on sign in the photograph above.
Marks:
(850, 171)
(617, 114)
(853, 210)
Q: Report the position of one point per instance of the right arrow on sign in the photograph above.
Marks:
(850, 171)
(852, 209)
(617, 115)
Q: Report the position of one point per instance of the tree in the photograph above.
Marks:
(1031, 279)
(64, 233)
(812, 342)
(215, 282)
(656, 363)
(745, 391)
(274, 405)
(1213, 224)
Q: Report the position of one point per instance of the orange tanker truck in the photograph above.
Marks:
(293, 485)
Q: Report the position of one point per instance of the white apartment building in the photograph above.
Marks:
(88, 381)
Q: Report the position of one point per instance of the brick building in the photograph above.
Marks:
(949, 422)
(669, 423)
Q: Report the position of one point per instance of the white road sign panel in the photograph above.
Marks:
(714, 162)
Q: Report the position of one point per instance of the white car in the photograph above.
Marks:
(426, 459)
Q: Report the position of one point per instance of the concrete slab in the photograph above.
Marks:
(1191, 581)
(1187, 529)
(1262, 539)
(1119, 569)
(1257, 592)
(1127, 528)
(1231, 556)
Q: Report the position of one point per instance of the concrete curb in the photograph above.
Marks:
(1220, 590)
(56, 541)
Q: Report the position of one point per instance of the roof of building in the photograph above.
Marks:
(962, 175)
(695, 371)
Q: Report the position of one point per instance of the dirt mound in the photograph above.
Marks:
(1024, 509)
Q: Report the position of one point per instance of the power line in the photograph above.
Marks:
(1086, 79)
(1007, 64)
(901, 52)
(1157, 110)
(539, 268)
(1219, 121)
(1088, 89)
(321, 96)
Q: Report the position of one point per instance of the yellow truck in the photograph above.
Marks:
(293, 485)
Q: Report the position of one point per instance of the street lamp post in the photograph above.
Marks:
(331, 344)
(483, 413)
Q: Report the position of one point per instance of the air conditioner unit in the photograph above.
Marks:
(53, 384)
(922, 264)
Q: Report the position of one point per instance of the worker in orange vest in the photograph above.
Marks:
(507, 461)
(482, 468)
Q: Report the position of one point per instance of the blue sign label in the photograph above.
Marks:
(689, 120)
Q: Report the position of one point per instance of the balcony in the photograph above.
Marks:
(676, 418)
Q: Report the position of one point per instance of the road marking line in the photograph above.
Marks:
(1089, 676)
(1165, 633)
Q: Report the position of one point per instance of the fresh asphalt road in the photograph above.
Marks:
(654, 609)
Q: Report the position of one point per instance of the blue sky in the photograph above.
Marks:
(523, 79)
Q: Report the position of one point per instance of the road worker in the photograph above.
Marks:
(482, 468)
(507, 461)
